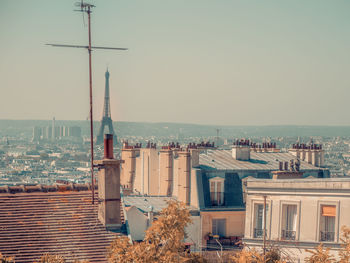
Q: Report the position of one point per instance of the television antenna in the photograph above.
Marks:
(87, 8)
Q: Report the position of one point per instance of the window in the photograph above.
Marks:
(327, 223)
(289, 222)
(259, 220)
(219, 227)
(217, 191)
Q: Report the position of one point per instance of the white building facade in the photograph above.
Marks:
(299, 214)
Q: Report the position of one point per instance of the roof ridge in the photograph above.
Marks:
(45, 188)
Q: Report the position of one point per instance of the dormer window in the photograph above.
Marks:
(217, 191)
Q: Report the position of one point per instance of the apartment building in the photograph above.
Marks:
(297, 214)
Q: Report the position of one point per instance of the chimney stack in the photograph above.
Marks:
(166, 172)
(108, 146)
(241, 151)
(184, 177)
(109, 186)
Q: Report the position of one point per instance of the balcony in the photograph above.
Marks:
(227, 243)
(258, 232)
(327, 236)
(217, 198)
(288, 234)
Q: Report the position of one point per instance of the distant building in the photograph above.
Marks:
(75, 131)
(37, 133)
(55, 132)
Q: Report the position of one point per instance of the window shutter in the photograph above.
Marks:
(328, 210)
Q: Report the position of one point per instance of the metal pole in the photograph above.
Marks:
(91, 117)
(217, 241)
(264, 234)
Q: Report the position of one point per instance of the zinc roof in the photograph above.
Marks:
(223, 160)
(148, 203)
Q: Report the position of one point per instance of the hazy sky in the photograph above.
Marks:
(195, 61)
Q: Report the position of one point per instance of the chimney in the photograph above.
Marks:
(166, 172)
(285, 173)
(109, 186)
(150, 216)
(241, 152)
(128, 168)
(281, 166)
(184, 177)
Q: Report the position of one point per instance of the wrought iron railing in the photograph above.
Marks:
(258, 232)
(288, 234)
(326, 236)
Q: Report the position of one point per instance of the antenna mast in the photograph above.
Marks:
(86, 8)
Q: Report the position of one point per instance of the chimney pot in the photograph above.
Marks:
(281, 166)
(108, 146)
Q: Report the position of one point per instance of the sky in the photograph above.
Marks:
(222, 62)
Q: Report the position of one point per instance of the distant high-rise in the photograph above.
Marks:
(37, 133)
(53, 129)
(106, 118)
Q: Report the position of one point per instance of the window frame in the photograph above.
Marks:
(215, 180)
(280, 221)
(253, 203)
(336, 221)
(212, 224)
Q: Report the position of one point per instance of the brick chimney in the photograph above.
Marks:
(109, 186)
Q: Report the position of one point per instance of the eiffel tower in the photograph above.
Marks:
(106, 119)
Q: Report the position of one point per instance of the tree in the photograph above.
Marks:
(163, 240)
(344, 253)
(6, 259)
(320, 255)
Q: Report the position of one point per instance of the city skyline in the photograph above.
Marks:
(220, 63)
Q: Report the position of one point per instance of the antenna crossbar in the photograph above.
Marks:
(87, 47)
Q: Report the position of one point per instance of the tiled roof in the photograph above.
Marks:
(58, 220)
(223, 160)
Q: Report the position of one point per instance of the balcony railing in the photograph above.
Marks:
(226, 242)
(258, 232)
(217, 198)
(326, 236)
(288, 234)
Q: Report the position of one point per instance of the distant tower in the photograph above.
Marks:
(53, 129)
(106, 118)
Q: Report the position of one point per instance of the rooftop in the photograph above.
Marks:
(223, 160)
(337, 185)
(59, 220)
(147, 203)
